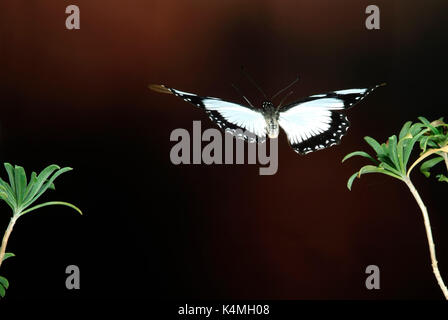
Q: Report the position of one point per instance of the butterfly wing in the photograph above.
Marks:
(311, 124)
(243, 122)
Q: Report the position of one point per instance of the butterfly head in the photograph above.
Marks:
(267, 105)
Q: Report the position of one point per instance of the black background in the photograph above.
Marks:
(79, 98)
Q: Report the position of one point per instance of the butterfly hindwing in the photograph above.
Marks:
(316, 139)
(243, 122)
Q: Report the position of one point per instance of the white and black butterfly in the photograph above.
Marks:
(311, 124)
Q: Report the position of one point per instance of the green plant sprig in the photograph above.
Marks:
(391, 158)
(20, 195)
(434, 142)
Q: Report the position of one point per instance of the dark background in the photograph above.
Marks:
(79, 98)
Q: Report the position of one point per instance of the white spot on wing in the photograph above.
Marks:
(327, 103)
(351, 91)
(318, 96)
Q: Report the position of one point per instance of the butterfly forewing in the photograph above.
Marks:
(244, 122)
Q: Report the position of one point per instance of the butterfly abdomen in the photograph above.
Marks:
(272, 128)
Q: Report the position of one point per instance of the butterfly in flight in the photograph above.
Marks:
(311, 124)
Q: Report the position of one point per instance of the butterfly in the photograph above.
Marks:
(311, 124)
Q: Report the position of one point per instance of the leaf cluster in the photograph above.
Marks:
(391, 158)
(433, 143)
(20, 194)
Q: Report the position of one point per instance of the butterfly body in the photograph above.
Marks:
(311, 124)
(271, 115)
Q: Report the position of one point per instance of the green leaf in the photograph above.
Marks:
(3, 191)
(432, 144)
(20, 181)
(374, 144)
(424, 120)
(361, 154)
(373, 169)
(416, 128)
(51, 203)
(428, 164)
(41, 178)
(439, 136)
(386, 152)
(33, 180)
(7, 187)
(409, 146)
(350, 181)
(2, 291)
(50, 184)
(393, 152)
(428, 124)
(390, 168)
(405, 130)
(387, 160)
(424, 142)
(4, 282)
(442, 178)
(8, 255)
(10, 170)
(10, 199)
(400, 150)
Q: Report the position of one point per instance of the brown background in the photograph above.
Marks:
(152, 229)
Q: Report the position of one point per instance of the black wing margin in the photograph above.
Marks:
(331, 137)
(342, 99)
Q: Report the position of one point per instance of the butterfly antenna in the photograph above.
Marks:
(253, 82)
(286, 88)
(284, 98)
(244, 97)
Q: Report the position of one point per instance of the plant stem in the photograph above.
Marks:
(432, 249)
(6, 237)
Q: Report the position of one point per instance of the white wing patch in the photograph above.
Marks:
(248, 119)
(305, 121)
(321, 95)
(327, 103)
(352, 91)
